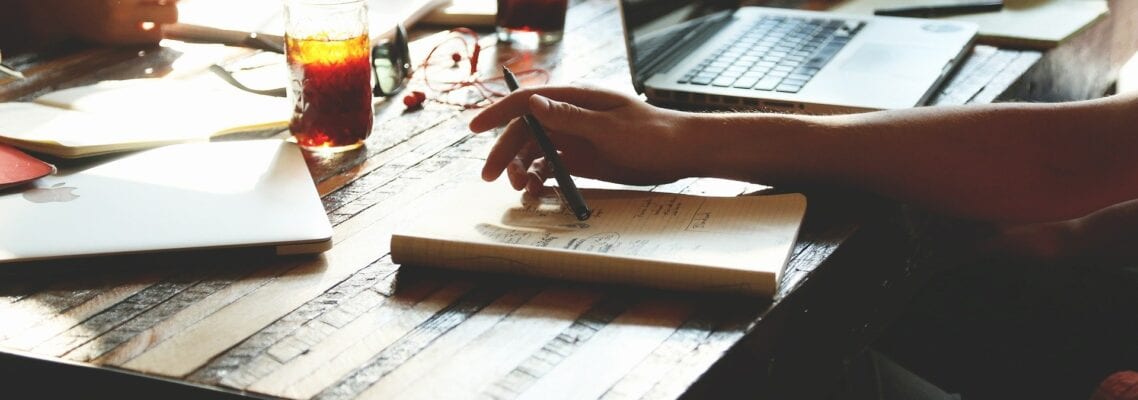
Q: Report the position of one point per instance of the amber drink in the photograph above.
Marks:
(328, 52)
(542, 18)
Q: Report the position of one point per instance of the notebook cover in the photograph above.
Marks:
(17, 167)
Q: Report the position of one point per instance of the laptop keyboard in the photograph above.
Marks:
(775, 53)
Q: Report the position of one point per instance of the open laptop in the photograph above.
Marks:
(181, 197)
(713, 53)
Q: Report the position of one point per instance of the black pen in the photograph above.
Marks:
(944, 10)
(569, 190)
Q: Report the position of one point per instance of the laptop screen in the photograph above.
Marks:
(657, 30)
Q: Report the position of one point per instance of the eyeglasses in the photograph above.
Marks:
(390, 67)
(391, 64)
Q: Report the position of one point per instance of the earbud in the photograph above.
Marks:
(460, 33)
(414, 99)
(474, 57)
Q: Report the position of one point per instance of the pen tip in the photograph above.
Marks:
(584, 215)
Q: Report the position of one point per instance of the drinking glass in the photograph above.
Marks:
(330, 71)
(520, 18)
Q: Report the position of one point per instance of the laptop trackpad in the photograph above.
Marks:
(895, 61)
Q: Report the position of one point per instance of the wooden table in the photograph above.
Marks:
(351, 324)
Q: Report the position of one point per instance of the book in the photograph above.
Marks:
(114, 116)
(468, 13)
(673, 241)
(1039, 24)
(267, 16)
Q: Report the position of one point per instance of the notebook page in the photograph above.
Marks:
(205, 105)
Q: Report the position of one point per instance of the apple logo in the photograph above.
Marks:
(941, 27)
(56, 193)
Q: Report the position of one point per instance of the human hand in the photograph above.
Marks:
(600, 134)
(1107, 235)
(114, 21)
(1042, 242)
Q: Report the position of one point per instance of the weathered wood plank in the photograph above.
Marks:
(193, 346)
(556, 349)
(171, 324)
(408, 345)
(672, 354)
(347, 348)
(18, 283)
(60, 322)
(76, 296)
(449, 345)
(111, 317)
(384, 180)
(618, 346)
(364, 289)
(496, 341)
(206, 280)
(677, 380)
(382, 324)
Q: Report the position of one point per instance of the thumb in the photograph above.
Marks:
(563, 117)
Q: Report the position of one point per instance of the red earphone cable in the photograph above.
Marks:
(472, 80)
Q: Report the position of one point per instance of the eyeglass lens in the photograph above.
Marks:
(391, 65)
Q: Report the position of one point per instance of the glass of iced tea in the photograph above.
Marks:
(518, 19)
(329, 62)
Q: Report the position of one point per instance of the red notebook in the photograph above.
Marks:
(16, 167)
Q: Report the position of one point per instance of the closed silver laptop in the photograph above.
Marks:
(181, 197)
(696, 53)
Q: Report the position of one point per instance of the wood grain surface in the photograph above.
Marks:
(350, 324)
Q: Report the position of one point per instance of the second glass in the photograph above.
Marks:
(329, 62)
(519, 18)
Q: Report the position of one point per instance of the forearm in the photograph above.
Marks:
(26, 25)
(1019, 162)
(12, 37)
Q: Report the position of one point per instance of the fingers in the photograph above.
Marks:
(516, 172)
(565, 119)
(516, 148)
(506, 148)
(536, 175)
(1042, 242)
(517, 103)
